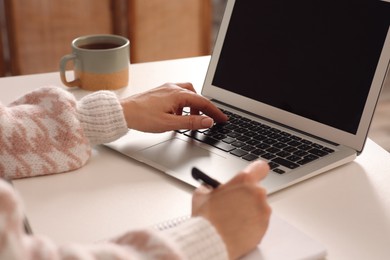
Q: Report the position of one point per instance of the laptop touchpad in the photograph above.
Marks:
(177, 157)
(176, 152)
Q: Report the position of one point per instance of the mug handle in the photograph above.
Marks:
(64, 60)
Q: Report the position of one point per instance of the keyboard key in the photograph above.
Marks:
(241, 130)
(300, 153)
(279, 171)
(233, 134)
(280, 145)
(248, 139)
(268, 156)
(253, 142)
(248, 148)
(243, 138)
(231, 126)
(245, 125)
(196, 135)
(250, 134)
(270, 141)
(274, 136)
(219, 136)
(294, 143)
(304, 147)
(223, 131)
(293, 158)
(306, 142)
(258, 152)
(273, 150)
(283, 154)
(259, 137)
(273, 165)
(255, 128)
(239, 152)
(223, 146)
(296, 138)
(328, 150)
(318, 146)
(290, 149)
(257, 124)
(263, 146)
(228, 140)
(285, 134)
(284, 139)
(285, 163)
(307, 159)
(264, 132)
(250, 157)
(209, 140)
(238, 144)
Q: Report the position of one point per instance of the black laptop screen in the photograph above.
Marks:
(312, 58)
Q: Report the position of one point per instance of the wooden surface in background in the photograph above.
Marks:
(41, 31)
(160, 29)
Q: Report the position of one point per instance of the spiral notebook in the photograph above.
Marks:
(282, 241)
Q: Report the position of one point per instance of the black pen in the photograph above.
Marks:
(204, 178)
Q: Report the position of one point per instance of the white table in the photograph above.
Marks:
(347, 209)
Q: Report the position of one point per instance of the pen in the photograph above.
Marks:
(204, 178)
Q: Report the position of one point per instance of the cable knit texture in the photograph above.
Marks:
(101, 117)
(47, 132)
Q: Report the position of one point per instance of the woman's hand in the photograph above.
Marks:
(238, 209)
(160, 109)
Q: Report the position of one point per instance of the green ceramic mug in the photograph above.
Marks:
(100, 61)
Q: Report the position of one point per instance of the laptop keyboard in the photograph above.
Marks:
(251, 140)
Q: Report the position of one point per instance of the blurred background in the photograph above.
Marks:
(34, 35)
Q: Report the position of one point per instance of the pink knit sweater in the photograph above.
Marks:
(48, 131)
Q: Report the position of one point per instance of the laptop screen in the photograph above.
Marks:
(313, 58)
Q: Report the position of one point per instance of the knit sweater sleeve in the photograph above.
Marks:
(195, 239)
(47, 131)
(198, 239)
(101, 117)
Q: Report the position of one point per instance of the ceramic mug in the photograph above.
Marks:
(100, 62)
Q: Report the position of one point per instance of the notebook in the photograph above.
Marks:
(299, 80)
(281, 241)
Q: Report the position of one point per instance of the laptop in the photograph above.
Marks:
(299, 80)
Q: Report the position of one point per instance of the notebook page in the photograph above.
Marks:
(282, 241)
